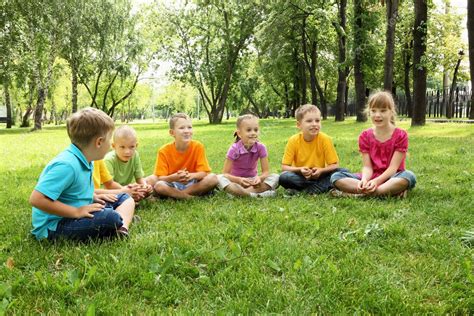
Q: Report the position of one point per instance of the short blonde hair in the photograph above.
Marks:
(306, 108)
(176, 117)
(86, 124)
(124, 131)
(382, 100)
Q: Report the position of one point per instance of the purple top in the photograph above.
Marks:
(244, 162)
(381, 153)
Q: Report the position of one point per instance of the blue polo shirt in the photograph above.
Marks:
(68, 179)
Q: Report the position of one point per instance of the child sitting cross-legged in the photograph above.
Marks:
(64, 204)
(383, 148)
(240, 176)
(124, 162)
(181, 169)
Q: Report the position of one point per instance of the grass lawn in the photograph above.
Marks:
(292, 255)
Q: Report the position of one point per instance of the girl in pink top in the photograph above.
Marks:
(383, 148)
(240, 175)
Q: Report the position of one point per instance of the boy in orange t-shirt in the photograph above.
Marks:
(181, 169)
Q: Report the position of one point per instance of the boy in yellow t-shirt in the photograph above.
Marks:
(181, 169)
(310, 157)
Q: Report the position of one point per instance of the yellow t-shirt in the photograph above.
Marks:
(318, 153)
(169, 160)
(100, 174)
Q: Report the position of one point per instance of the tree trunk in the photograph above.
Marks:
(342, 68)
(406, 81)
(322, 97)
(470, 32)
(311, 65)
(74, 89)
(450, 108)
(392, 12)
(8, 104)
(358, 63)
(419, 68)
(39, 108)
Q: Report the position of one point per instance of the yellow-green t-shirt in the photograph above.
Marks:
(100, 174)
(318, 153)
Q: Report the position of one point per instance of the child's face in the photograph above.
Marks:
(380, 116)
(125, 147)
(248, 132)
(182, 131)
(310, 124)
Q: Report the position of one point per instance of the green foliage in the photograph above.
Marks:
(287, 255)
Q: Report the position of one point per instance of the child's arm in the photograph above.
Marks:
(367, 172)
(304, 171)
(265, 168)
(42, 202)
(111, 185)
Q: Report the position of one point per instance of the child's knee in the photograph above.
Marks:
(113, 219)
(211, 179)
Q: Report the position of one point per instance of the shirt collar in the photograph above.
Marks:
(242, 150)
(78, 153)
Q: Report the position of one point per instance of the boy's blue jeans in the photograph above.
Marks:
(295, 181)
(104, 224)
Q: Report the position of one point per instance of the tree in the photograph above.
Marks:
(419, 66)
(359, 42)
(470, 31)
(343, 69)
(392, 16)
(212, 36)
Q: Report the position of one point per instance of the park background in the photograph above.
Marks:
(142, 61)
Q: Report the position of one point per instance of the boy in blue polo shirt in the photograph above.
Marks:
(63, 199)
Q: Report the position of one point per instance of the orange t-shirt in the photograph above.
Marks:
(169, 160)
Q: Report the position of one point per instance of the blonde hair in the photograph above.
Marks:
(306, 108)
(382, 100)
(176, 117)
(86, 124)
(124, 131)
(239, 121)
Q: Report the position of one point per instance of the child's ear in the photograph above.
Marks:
(171, 132)
(99, 141)
(298, 124)
(113, 145)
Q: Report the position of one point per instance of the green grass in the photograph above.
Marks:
(298, 255)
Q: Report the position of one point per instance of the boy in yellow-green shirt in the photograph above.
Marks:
(310, 157)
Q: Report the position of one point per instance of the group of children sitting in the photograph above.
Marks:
(69, 202)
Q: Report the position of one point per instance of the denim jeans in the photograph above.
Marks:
(292, 180)
(104, 223)
(405, 174)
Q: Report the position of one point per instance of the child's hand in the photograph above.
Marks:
(244, 182)
(362, 185)
(306, 172)
(134, 191)
(256, 181)
(315, 173)
(86, 210)
(103, 198)
(183, 176)
(371, 186)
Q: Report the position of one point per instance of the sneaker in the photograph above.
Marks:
(265, 194)
(403, 194)
(338, 193)
(122, 232)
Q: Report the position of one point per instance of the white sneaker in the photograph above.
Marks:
(269, 193)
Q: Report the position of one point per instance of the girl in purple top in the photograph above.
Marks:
(240, 176)
(383, 148)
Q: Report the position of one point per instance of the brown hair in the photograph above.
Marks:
(303, 109)
(239, 121)
(176, 117)
(382, 100)
(86, 124)
(124, 131)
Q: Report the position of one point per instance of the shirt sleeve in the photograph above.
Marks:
(55, 180)
(138, 167)
(232, 153)
(364, 144)
(202, 163)
(105, 175)
(289, 155)
(330, 153)
(401, 142)
(161, 164)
